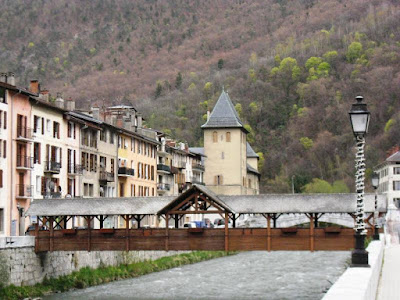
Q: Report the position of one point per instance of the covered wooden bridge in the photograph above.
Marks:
(58, 234)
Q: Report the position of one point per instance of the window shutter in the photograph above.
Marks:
(5, 149)
(215, 180)
(39, 153)
(42, 125)
(43, 185)
(221, 180)
(1, 178)
(69, 129)
(5, 120)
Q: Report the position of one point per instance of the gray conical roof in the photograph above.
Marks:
(224, 114)
(250, 153)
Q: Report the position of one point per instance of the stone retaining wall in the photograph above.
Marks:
(22, 266)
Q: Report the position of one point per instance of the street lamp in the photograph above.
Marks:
(375, 184)
(359, 118)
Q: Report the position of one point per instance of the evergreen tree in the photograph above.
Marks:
(178, 80)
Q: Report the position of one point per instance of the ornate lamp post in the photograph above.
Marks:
(359, 117)
(375, 184)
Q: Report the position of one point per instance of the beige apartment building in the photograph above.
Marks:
(231, 163)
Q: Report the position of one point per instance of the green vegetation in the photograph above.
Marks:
(321, 186)
(86, 277)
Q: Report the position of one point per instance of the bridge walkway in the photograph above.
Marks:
(389, 287)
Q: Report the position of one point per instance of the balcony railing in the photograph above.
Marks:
(24, 133)
(198, 166)
(74, 169)
(162, 167)
(24, 191)
(195, 180)
(126, 171)
(52, 166)
(106, 176)
(25, 162)
(163, 186)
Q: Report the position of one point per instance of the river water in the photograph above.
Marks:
(247, 275)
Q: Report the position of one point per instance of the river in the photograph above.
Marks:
(247, 275)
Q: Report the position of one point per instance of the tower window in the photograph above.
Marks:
(228, 137)
(215, 137)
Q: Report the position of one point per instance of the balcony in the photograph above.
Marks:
(197, 166)
(195, 180)
(74, 169)
(123, 171)
(24, 162)
(106, 176)
(24, 134)
(161, 168)
(52, 167)
(163, 187)
(24, 191)
(52, 195)
(181, 164)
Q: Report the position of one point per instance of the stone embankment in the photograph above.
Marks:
(20, 265)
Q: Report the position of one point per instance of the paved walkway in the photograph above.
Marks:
(389, 284)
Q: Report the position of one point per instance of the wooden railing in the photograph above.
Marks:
(233, 239)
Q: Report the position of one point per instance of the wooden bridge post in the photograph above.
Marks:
(269, 233)
(51, 233)
(166, 232)
(127, 219)
(311, 232)
(226, 232)
(89, 243)
(37, 235)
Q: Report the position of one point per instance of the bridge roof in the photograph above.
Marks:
(301, 203)
(243, 204)
(97, 206)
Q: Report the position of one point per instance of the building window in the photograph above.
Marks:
(1, 219)
(218, 180)
(5, 149)
(103, 135)
(1, 178)
(36, 153)
(396, 170)
(111, 138)
(222, 155)
(228, 137)
(56, 130)
(215, 137)
(36, 121)
(133, 145)
(3, 95)
(396, 185)
(5, 120)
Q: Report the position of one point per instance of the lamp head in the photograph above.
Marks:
(359, 117)
(375, 180)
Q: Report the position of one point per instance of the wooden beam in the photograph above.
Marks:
(311, 232)
(269, 233)
(226, 232)
(183, 202)
(166, 232)
(193, 212)
(51, 233)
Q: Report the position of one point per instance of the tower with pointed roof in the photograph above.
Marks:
(231, 163)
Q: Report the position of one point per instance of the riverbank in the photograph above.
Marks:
(86, 277)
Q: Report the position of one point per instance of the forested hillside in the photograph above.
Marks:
(292, 68)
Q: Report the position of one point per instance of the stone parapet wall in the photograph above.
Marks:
(360, 283)
(22, 266)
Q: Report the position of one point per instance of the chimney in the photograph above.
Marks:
(11, 78)
(139, 120)
(70, 104)
(34, 86)
(119, 122)
(95, 112)
(59, 101)
(3, 77)
(208, 115)
(44, 95)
